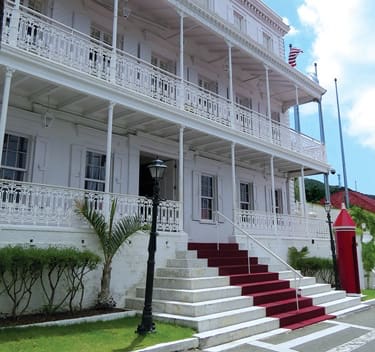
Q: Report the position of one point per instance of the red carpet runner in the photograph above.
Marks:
(267, 290)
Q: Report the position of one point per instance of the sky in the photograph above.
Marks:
(339, 36)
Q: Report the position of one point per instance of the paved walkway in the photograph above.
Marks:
(351, 332)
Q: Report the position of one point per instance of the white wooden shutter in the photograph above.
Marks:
(77, 166)
(119, 173)
(40, 160)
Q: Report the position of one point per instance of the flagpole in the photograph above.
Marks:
(347, 203)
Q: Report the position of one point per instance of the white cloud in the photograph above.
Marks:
(293, 30)
(344, 48)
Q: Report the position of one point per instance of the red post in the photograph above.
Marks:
(346, 247)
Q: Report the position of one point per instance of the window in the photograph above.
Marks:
(207, 197)
(95, 171)
(239, 21)
(105, 37)
(36, 5)
(208, 84)
(14, 158)
(246, 196)
(267, 41)
(279, 201)
(245, 102)
(164, 64)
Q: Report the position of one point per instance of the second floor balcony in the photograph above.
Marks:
(59, 45)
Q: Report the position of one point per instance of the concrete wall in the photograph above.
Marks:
(129, 265)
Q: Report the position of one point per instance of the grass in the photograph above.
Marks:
(370, 294)
(114, 336)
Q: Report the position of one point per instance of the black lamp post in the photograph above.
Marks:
(327, 207)
(157, 168)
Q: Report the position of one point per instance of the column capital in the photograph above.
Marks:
(9, 72)
(111, 104)
(181, 13)
(229, 44)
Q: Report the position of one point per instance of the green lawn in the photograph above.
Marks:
(370, 294)
(113, 336)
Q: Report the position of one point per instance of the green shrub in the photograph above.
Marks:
(57, 269)
(321, 268)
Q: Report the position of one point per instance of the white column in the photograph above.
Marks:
(302, 191)
(182, 95)
(181, 176)
(273, 194)
(114, 41)
(109, 148)
(13, 30)
(234, 187)
(230, 78)
(268, 101)
(4, 106)
(297, 122)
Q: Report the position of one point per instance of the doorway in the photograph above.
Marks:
(169, 182)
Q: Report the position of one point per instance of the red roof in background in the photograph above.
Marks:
(355, 198)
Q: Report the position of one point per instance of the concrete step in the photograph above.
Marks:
(187, 272)
(191, 283)
(217, 320)
(329, 296)
(304, 281)
(235, 332)
(193, 309)
(199, 295)
(186, 263)
(314, 289)
(341, 304)
(186, 255)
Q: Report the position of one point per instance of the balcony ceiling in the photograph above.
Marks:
(39, 96)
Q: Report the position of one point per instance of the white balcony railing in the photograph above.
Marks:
(259, 223)
(42, 36)
(24, 203)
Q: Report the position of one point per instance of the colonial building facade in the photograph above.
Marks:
(93, 90)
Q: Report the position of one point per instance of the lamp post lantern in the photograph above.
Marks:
(327, 207)
(157, 168)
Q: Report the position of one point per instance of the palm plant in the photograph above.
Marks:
(111, 237)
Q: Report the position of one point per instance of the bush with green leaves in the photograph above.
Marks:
(321, 268)
(60, 272)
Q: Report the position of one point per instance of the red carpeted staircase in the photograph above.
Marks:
(265, 287)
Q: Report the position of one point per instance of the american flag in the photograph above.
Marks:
(293, 53)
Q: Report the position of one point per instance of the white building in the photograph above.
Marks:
(93, 90)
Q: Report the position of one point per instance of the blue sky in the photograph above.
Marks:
(339, 36)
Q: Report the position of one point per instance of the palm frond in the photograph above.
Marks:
(94, 218)
(122, 230)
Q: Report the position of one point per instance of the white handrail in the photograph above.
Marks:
(282, 261)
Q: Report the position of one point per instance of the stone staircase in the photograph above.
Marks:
(212, 291)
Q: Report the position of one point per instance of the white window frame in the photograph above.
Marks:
(163, 63)
(210, 198)
(208, 84)
(250, 201)
(88, 179)
(25, 170)
(239, 21)
(267, 41)
(100, 34)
